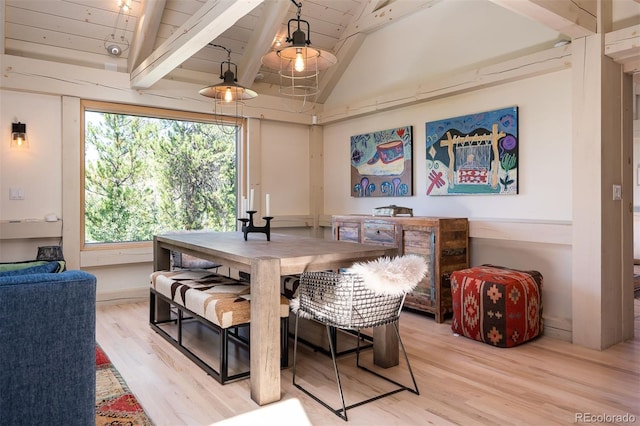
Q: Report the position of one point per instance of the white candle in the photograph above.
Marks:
(243, 207)
(251, 199)
(268, 200)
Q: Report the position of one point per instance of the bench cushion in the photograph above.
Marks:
(222, 300)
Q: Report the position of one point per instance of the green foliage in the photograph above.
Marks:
(145, 175)
(508, 162)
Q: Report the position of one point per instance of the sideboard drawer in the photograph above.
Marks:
(379, 233)
(443, 242)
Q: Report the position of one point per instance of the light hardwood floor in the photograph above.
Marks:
(546, 381)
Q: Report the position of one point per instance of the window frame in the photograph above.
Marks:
(155, 112)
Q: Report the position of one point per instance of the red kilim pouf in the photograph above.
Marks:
(497, 305)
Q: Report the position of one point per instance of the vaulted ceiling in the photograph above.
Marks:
(172, 38)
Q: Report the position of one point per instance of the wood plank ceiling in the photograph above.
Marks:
(170, 38)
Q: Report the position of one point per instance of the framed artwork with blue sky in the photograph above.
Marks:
(473, 154)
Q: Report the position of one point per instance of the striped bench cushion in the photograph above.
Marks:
(222, 300)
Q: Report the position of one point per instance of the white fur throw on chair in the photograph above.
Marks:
(391, 276)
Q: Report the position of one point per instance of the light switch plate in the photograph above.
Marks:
(617, 192)
(16, 194)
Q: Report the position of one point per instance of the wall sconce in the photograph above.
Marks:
(19, 136)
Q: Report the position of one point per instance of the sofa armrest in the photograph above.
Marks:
(47, 330)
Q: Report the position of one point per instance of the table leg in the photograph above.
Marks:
(161, 262)
(385, 346)
(265, 330)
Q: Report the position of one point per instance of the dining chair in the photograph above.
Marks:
(368, 294)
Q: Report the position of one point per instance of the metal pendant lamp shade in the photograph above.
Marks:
(229, 96)
(228, 90)
(299, 64)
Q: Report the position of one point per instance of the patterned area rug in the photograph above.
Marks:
(115, 404)
(636, 286)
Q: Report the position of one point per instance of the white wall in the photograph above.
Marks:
(544, 154)
(285, 167)
(545, 181)
(37, 170)
(416, 50)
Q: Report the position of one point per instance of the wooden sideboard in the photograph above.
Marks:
(444, 242)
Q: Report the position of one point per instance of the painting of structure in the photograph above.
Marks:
(381, 163)
(473, 154)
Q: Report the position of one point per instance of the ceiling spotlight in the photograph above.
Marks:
(114, 50)
(116, 42)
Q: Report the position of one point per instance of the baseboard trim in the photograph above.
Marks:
(116, 297)
(558, 328)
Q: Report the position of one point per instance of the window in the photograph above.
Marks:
(147, 171)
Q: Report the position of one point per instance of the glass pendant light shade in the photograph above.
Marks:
(299, 68)
(299, 64)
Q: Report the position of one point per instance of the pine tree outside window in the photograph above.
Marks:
(147, 173)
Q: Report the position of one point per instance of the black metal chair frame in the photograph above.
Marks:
(333, 340)
(320, 293)
(224, 334)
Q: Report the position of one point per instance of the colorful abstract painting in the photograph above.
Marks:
(473, 154)
(381, 163)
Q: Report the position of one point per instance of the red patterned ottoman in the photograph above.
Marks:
(497, 305)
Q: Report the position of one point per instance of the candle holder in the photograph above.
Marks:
(249, 227)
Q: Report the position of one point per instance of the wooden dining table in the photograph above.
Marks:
(267, 261)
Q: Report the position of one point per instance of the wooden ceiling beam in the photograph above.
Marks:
(144, 36)
(573, 18)
(211, 20)
(261, 40)
(623, 46)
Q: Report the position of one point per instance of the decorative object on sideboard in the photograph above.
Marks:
(19, 136)
(229, 96)
(298, 64)
(392, 210)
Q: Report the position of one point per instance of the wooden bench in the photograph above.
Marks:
(221, 304)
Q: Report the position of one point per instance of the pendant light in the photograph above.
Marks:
(299, 64)
(228, 96)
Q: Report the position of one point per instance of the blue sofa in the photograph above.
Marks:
(47, 348)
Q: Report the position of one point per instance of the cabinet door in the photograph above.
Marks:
(420, 240)
(346, 231)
